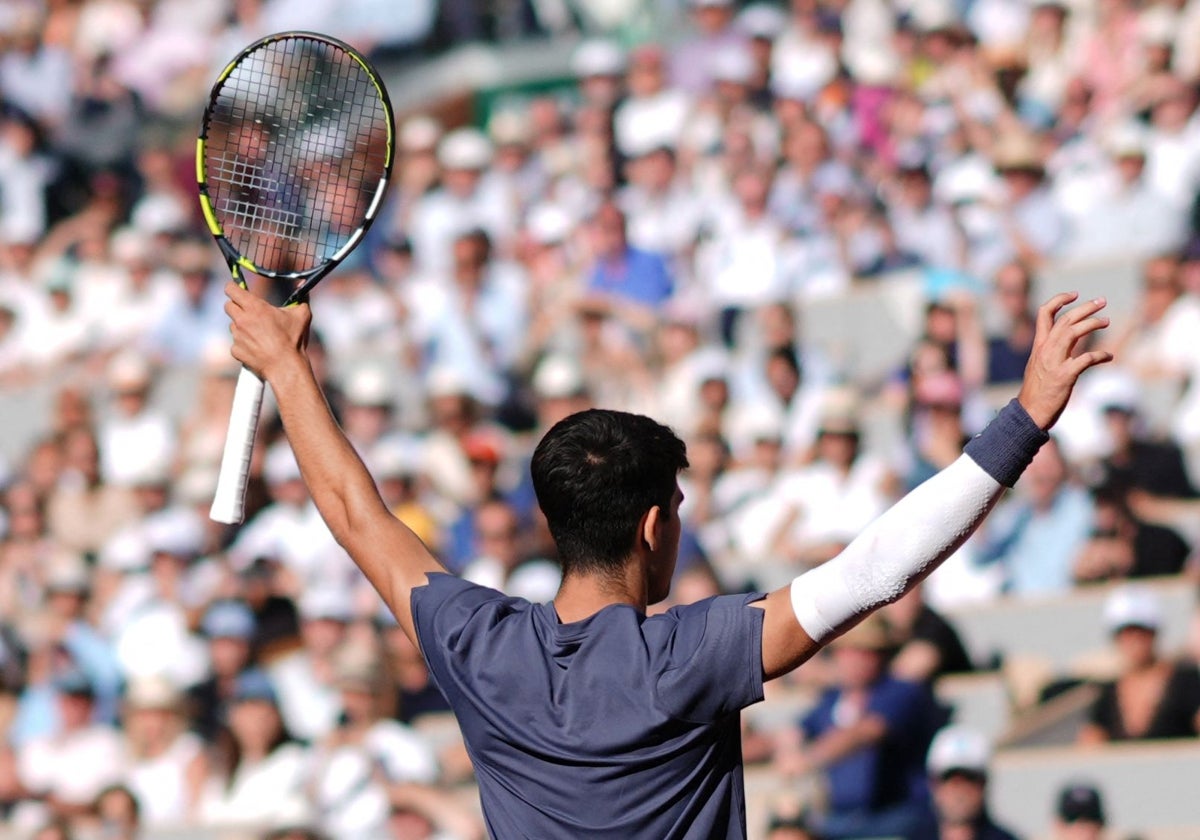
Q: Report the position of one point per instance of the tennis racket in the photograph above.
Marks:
(292, 162)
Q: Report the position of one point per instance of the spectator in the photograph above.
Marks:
(869, 735)
(83, 512)
(68, 768)
(1158, 698)
(305, 677)
(958, 772)
(927, 645)
(1120, 546)
(626, 275)
(691, 62)
(228, 625)
(1037, 533)
(1011, 342)
(360, 760)
(466, 200)
(1080, 813)
(257, 774)
(163, 761)
(118, 815)
(499, 562)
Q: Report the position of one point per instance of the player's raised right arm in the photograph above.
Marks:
(906, 543)
(272, 342)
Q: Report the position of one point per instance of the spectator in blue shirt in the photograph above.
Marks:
(622, 271)
(869, 735)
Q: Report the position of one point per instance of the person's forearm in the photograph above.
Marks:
(340, 485)
(906, 543)
(336, 477)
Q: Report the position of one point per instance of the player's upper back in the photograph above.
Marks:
(615, 726)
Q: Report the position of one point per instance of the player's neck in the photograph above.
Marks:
(583, 595)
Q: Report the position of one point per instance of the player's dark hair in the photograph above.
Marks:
(595, 474)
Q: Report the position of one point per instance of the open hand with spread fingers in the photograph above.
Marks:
(1055, 364)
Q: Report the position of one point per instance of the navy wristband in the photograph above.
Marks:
(1007, 445)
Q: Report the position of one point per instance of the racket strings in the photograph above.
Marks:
(297, 146)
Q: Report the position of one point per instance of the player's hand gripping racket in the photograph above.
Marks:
(293, 160)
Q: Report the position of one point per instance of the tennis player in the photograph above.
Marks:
(584, 717)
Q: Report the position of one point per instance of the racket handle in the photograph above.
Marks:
(229, 501)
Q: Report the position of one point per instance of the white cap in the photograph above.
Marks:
(143, 468)
(128, 371)
(1158, 26)
(548, 224)
(1114, 388)
(958, 747)
(324, 602)
(125, 551)
(1127, 139)
(445, 381)
(510, 127)
(175, 530)
(280, 465)
(801, 77)
(66, 571)
(130, 245)
(653, 130)
(966, 183)
(734, 64)
(873, 66)
(598, 58)
(1132, 606)
(369, 385)
(465, 148)
(394, 458)
(761, 21)
(420, 133)
(558, 377)
(152, 692)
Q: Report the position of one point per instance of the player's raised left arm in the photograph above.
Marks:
(908, 542)
(272, 342)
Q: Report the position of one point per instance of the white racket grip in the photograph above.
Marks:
(229, 501)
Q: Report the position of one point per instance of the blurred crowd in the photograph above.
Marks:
(646, 238)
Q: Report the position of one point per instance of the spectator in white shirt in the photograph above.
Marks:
(1172, 149)
(923, 227)
(1129, 217)
(258, 771)
(134, 435)
(165, 763)
(304, 680)
(72, 765)
(467, 199)
(354, 767)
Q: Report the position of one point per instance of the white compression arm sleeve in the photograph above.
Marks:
(918, 532)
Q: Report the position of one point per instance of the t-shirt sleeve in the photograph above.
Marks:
(442, 610)
(713, 664)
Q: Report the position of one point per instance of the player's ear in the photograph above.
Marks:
(651, 520)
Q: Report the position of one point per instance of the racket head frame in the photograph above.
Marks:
(238, 263)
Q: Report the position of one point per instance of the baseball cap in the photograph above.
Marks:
(958, 748)
(325, 603)
(152, 691)
(254, 684)
(465, 148)
(75, 682)
(598, 58)
(1080, 802)
(228, 619)
(280, 464)
(1132, 606)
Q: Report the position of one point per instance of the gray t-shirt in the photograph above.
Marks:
(617, 726)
